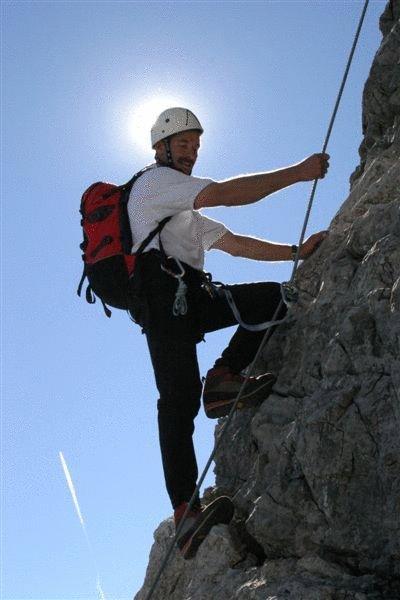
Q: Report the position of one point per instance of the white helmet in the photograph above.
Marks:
(171, 121)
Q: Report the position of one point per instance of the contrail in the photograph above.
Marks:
(100, 590)
(71, 487)
(74, 496)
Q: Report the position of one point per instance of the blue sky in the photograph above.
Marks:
(262, 77)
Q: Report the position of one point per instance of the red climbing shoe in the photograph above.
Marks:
(221, 388)
(199, 522)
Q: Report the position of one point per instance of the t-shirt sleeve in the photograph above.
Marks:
(212, 231)
(168, 191)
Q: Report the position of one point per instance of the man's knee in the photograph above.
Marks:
(180, 395)
(259, 301)
(180, 404)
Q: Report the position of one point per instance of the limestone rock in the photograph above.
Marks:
(209, 574)
(315, 471)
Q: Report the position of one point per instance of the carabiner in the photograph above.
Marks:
(176, 275)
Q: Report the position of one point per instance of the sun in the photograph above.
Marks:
(143, 116)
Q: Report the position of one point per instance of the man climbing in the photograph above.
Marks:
(176, 304)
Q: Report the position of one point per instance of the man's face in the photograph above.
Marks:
(184, 148)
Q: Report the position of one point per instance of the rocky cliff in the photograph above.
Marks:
(315, 471)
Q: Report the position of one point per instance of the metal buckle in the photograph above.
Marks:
(290, 293)
(176, 275)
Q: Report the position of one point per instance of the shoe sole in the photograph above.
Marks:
(216, 409)
(218, 512)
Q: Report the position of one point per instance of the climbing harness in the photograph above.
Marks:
(289, 286)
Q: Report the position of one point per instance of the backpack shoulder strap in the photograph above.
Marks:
(126, 187)
(152, 234)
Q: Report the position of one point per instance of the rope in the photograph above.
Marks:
(179, 306)
(268, 332)
(180, 302)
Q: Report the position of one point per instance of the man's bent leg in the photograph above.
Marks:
(178, 382)
(257, 302)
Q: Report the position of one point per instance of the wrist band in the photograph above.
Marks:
(294, 249)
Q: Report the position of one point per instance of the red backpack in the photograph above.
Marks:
(107, 243)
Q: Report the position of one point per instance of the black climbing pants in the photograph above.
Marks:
(172, 343)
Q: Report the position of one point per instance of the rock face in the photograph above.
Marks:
(315, 471)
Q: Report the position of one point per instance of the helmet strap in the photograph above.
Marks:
(167, 145)
(169, 162)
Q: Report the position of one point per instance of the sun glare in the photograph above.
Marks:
(144, 115)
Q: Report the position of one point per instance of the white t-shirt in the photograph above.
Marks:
(161, 192)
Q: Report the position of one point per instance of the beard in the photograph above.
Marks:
(184, 165)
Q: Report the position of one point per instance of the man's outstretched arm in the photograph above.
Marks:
(256, 249)
(251, 188)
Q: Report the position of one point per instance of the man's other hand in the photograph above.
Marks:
(313, 167)
(312, 243)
